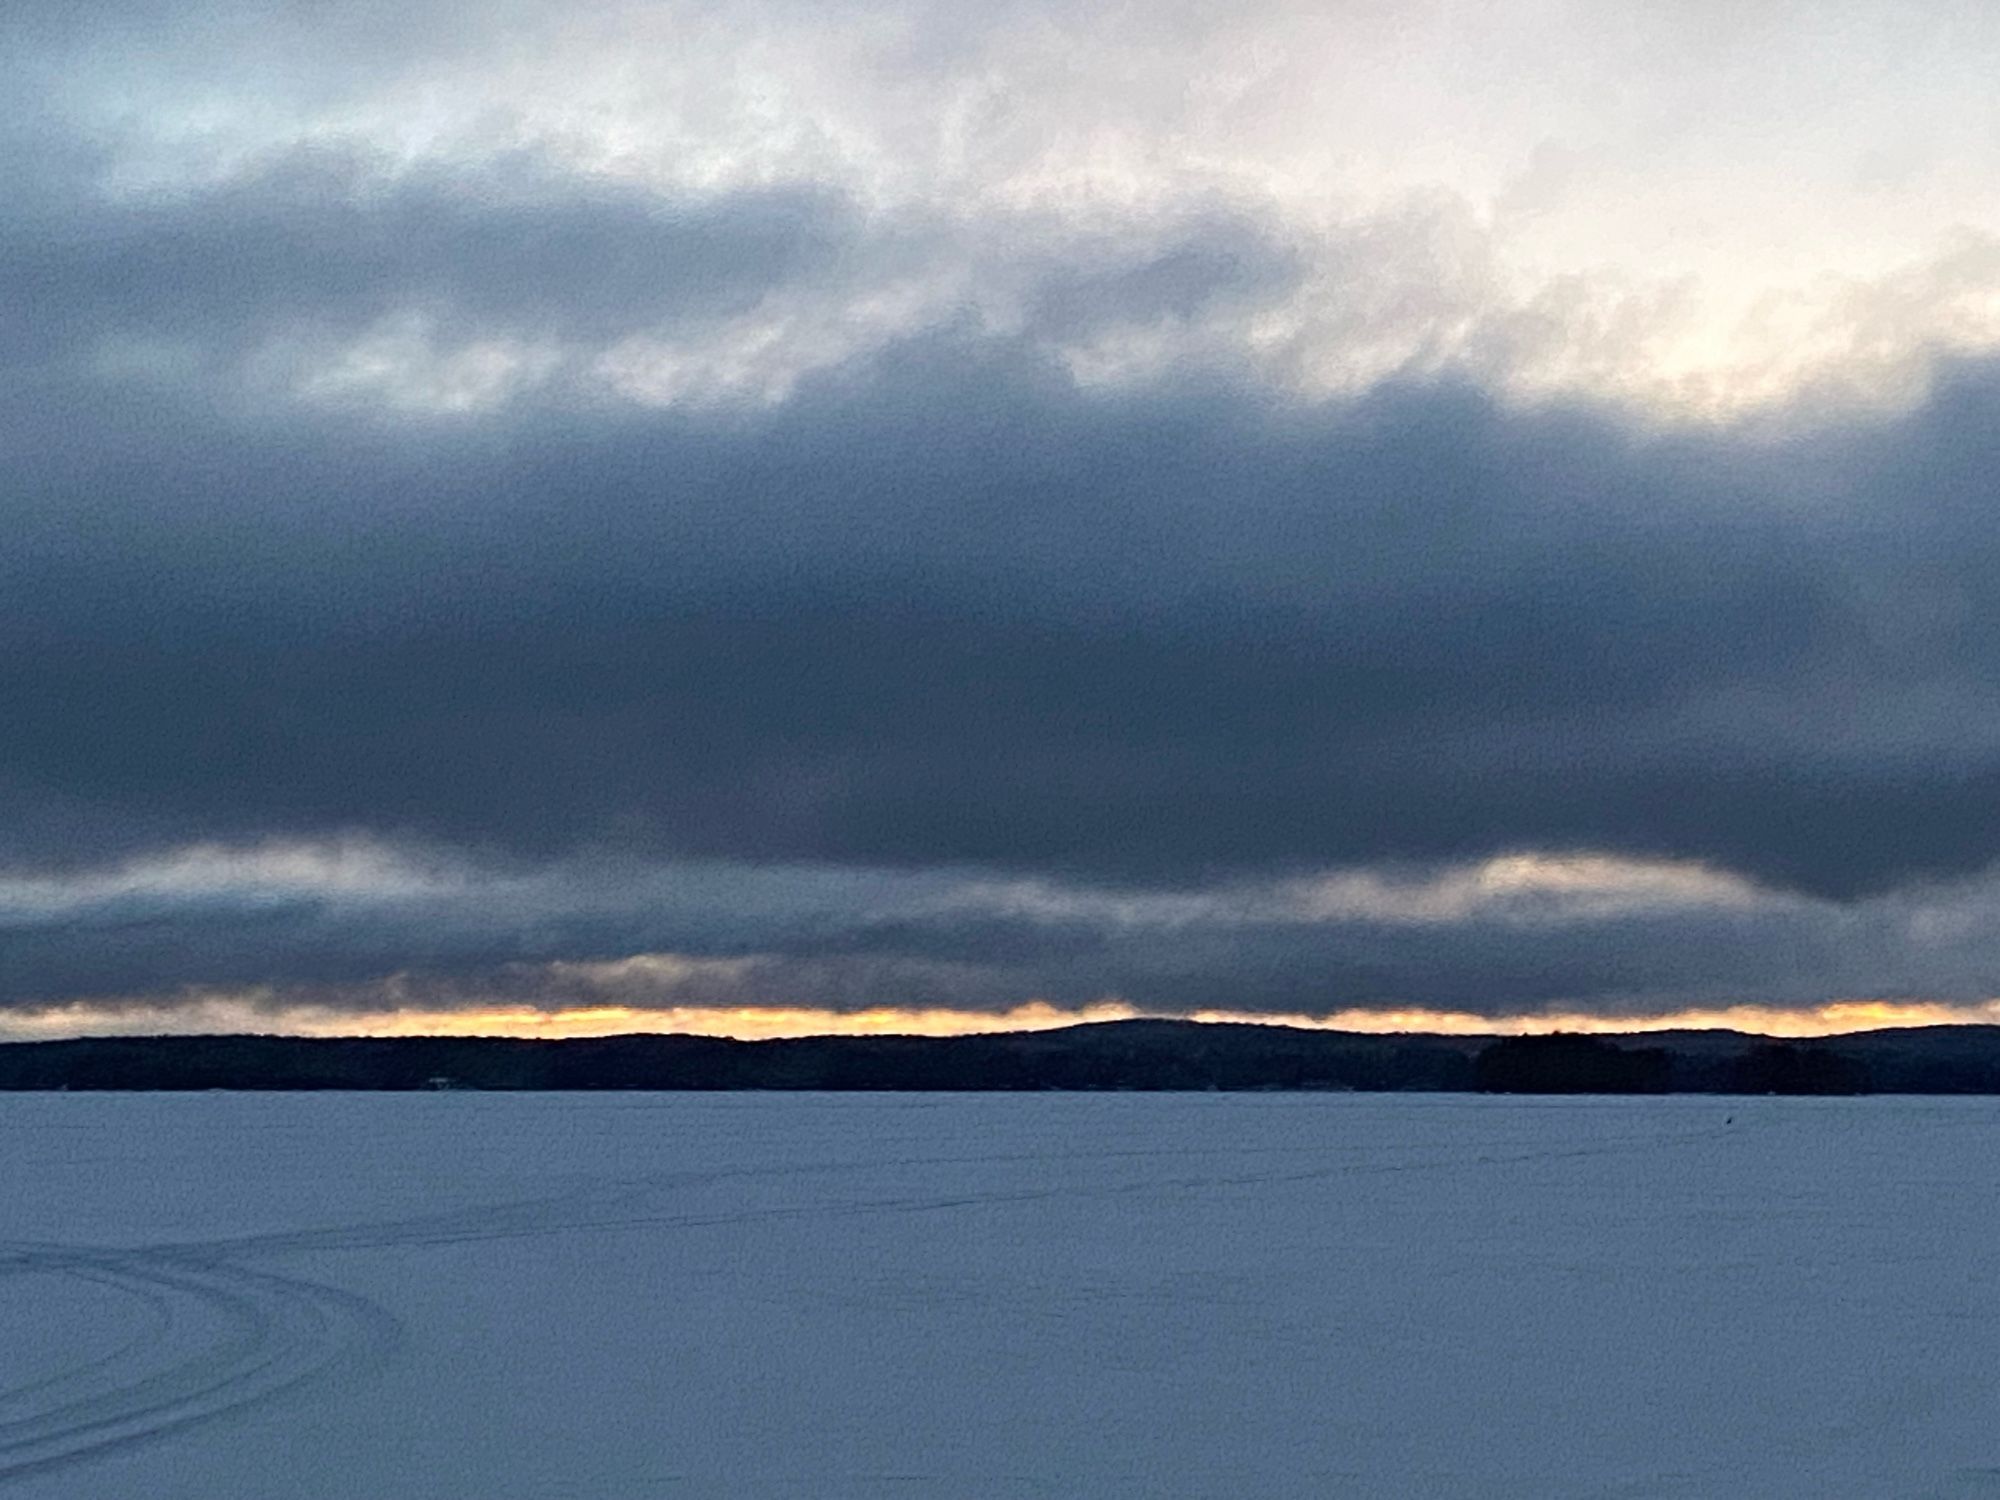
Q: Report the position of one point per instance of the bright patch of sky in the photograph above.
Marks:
(1699, 209)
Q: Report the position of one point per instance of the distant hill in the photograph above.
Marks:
(1147, 1054)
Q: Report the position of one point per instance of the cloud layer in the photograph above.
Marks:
(885, 507)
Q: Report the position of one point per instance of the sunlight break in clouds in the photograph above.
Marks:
(1521, 887)
(266, 1012)
(278, 869)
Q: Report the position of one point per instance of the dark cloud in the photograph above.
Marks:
(938, 608)
(560, 940)
(953, 611)
(327, 242)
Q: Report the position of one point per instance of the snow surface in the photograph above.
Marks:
(613, 1296)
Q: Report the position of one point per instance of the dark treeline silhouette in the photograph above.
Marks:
(1571, 1065)
(1779, 1068)
(1118, 1055)
(1113, 1055)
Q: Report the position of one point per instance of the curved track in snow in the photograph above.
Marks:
(213, 1330)
(211, 1338)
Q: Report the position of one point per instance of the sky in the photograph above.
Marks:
(760, 517)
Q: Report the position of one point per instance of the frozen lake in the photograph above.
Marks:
(524, 1297)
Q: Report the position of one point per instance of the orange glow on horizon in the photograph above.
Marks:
(1831, 1019)
(265, 1013)
(745, 1023)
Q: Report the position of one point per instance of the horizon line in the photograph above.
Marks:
(251, 1014)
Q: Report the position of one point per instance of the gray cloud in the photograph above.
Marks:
(381, 939)
(323, 243)
(562, 523)
(952, 611)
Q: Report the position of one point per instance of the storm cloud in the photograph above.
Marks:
(776, 565)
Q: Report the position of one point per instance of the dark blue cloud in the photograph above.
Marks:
(328, 242)
(952, 610)
(939, 607)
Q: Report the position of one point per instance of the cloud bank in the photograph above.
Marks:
(1416, 509)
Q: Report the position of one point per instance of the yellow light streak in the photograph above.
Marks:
(264, 1012)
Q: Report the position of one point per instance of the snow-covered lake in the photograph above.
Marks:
(525, 1297)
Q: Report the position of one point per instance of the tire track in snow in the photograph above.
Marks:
(663, 1201)
(222, 1338)
(152, 1329)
